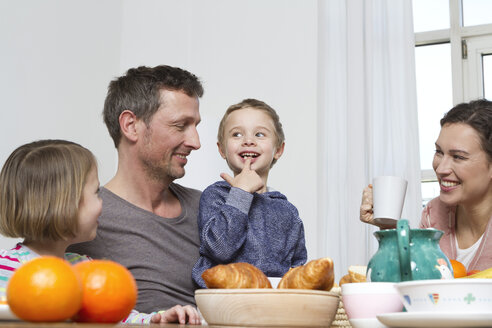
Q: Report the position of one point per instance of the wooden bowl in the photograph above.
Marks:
(267, 307)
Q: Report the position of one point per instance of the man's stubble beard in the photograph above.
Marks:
(158, 170)
(161, 172)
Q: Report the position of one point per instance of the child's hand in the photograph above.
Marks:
(179, 314)
(366, 213)
(248, 180)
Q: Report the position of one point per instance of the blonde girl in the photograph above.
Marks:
(49, 198)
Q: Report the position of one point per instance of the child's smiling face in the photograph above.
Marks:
(250, 132)
(90, 208)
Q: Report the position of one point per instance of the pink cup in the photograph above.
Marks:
(365, 300)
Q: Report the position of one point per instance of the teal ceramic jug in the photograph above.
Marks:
(408, 254)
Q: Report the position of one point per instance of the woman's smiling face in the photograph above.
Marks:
(462, 167)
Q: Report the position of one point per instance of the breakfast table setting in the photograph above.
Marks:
(408, 282)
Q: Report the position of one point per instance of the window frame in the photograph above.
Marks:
(465, 69)
(477, 47)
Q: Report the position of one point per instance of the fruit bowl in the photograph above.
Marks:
(449, 295)
(267, 307)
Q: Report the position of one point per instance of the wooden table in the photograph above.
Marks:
(23, 324)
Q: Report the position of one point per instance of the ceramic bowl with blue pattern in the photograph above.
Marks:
(447, 295)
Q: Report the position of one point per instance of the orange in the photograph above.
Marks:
(459, 269)
(45, 289)
(110, 291)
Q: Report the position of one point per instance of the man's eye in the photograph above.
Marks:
(438, 152)
(458, 157)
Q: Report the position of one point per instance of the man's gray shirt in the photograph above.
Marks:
(159, 252)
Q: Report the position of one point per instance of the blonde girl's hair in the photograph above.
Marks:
(255, 104)
(41, 186)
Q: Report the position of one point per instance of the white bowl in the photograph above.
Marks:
(267, 307)
(448, 295)
(366, 323)
(365, 300)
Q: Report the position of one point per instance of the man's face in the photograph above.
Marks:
(170, 136)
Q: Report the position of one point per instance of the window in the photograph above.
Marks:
(433, 69)
(453, 58)
(430, 15)
(487, 76)
(476, 12)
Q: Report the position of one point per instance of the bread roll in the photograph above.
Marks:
(357, 273)
(345, 279)
(235, 275)
(316, 274)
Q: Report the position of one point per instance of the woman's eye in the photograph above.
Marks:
(260, 134)
(458, 157)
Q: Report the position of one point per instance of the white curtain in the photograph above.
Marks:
(368, 118)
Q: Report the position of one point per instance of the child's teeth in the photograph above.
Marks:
(248, 155)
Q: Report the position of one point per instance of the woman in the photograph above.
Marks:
(463, 166)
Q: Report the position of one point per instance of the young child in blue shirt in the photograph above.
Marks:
(240, 219)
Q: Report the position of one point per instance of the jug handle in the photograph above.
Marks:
(403, 234)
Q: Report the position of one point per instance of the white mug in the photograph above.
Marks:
(388, 196)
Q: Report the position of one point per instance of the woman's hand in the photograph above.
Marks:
(366, 212)
(178, 314)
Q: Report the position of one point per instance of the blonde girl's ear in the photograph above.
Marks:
(221, 152)
(128, 125)
(279, 151)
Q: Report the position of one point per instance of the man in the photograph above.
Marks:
(149, 223)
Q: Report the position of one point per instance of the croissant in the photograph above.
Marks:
(235, 275)
(316, 274)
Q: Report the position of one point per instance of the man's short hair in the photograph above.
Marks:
(139, 91)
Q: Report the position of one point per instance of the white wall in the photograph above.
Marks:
(57, 58)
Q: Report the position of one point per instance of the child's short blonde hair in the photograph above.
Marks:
(41, 186)
(256, 104)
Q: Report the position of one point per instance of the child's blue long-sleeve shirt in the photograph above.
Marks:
(261, 229)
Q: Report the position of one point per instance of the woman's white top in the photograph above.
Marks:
(465, 255)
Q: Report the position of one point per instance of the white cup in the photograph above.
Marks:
(388, 196)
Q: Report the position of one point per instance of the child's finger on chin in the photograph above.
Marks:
(247, 164)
